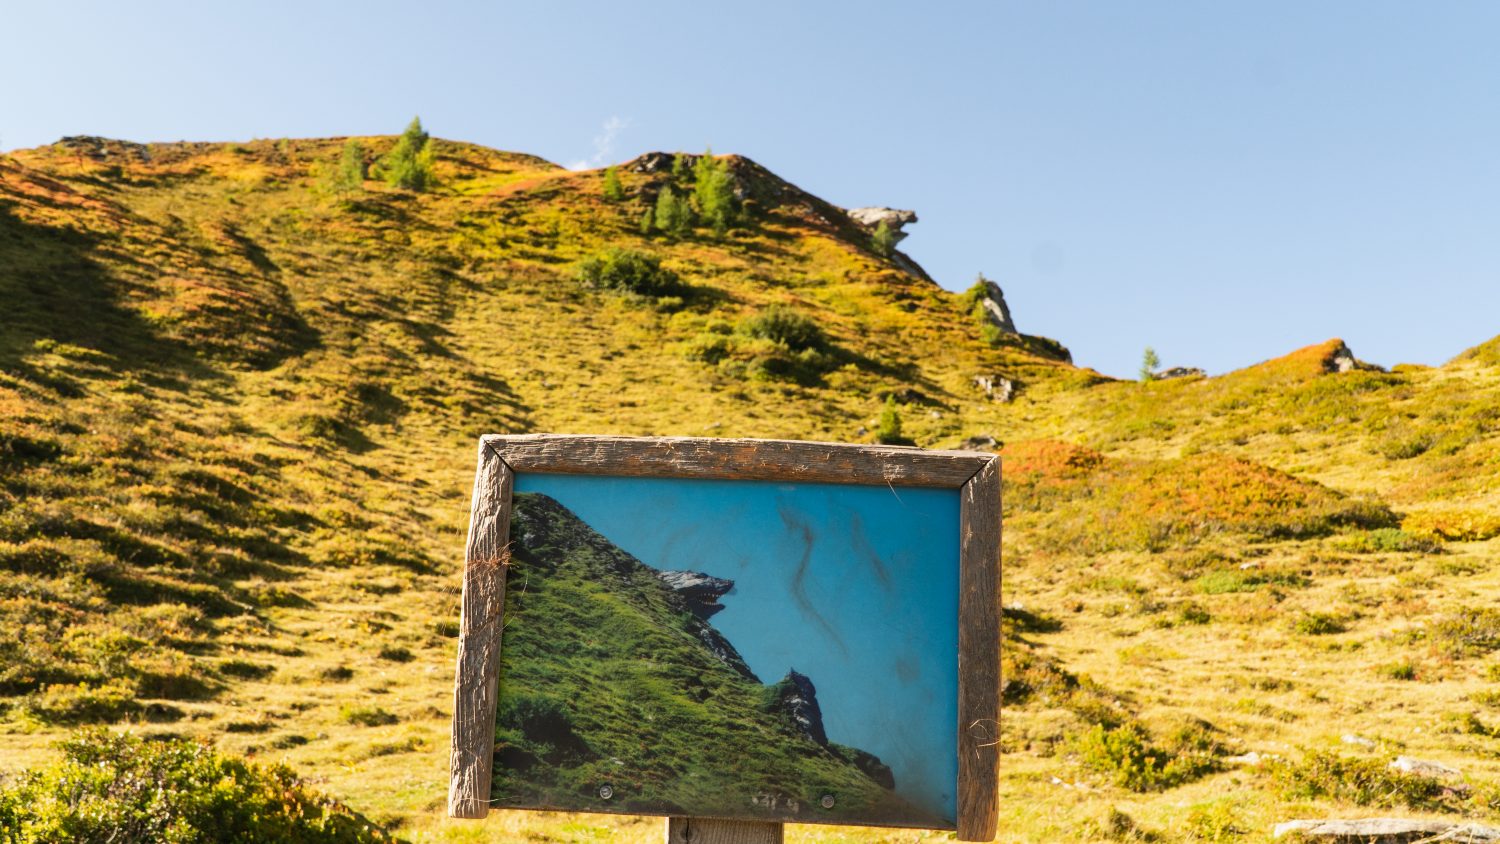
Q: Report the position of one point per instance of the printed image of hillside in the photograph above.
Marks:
(613, 676)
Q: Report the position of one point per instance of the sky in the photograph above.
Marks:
(1224, 182)
(854, 586)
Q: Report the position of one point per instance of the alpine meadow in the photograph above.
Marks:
(241, 385)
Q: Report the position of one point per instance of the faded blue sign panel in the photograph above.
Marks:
(742, 649)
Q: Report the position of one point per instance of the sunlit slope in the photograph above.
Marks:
(238, 410)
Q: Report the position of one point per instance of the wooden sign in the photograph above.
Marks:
(731, 632)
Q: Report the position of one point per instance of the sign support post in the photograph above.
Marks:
(706, 831)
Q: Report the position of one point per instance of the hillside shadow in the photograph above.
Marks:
(55, 292)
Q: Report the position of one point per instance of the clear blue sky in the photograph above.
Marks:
(854, 586)
(1222, 181)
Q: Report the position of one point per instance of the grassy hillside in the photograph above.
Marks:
(582, 705)
(238, 407)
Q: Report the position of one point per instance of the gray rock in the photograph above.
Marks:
(1178, 372)
(995, 309)
(1357, 741)
(996, 387)
(1424, 768)
(796, 698)
(1386, 830)
(1342, 360)
(653, 162)
(983, 442)
(701, 591)
(893, 218)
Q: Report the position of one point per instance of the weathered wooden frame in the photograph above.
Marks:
(976, 475)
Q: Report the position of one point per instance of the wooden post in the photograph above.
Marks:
(483, 605)
(701, 831)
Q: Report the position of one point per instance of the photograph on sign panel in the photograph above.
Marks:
(740, 649)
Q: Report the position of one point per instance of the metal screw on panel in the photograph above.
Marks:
(606, 792)
(827, 801)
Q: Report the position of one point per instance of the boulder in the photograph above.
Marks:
(1385, 830)
(1424, 768)
(893, 218)
(982, 442)
(996, 387)
(1357, 741)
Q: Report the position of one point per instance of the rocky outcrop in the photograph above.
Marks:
(652, 162)
(701, 592)
(996, 387)
(995, 309)
(797, 699)
(104, 149)
(982, 442)
(893, 218)
(1385, 830)
(868, 763)
(1178, 372)
(1341, 359)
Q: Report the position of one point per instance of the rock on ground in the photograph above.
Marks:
(1386, 831)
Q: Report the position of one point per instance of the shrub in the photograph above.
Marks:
(888, 431)
(124, 789)
(1127, 755)
(1388, 540)
(82, 703)
(1363, 782)
(409, 163)
(1469, 631)
(613, 190)
(366, 716)
(629, 271)
(1318, 624)
(1399, 670)
(787, 326)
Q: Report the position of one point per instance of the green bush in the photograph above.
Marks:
(1469, 631)
(126, 790)
(1388, 540)
(1361, 781)
(366, 716)
(629, 271)
(1318, 624)
(787, 326)
(1126, 754)
(888, 430)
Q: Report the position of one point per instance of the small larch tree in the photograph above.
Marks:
(1149, 363)
(613, 190)
(713, 192)
(409, 163)
(673, 215)
(348, 175)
